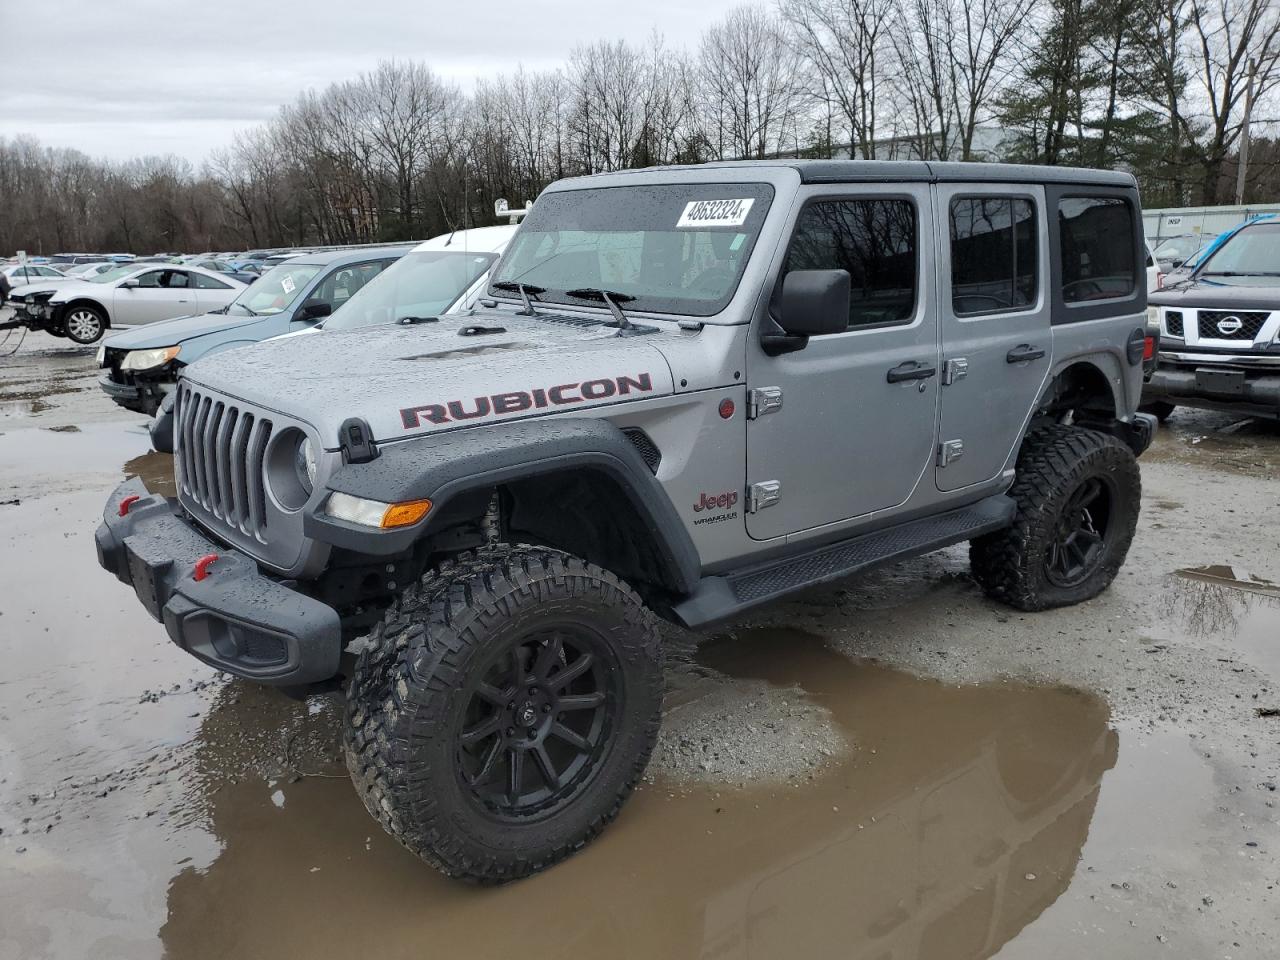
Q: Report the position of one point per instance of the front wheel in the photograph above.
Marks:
(1077, 493)
(84, 324)
(503, 710)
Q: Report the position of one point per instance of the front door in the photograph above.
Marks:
(994, 308)
(856, 428)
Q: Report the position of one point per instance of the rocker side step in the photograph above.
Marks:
(721, 597)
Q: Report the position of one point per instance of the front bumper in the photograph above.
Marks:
(1225, 388)
(236, 619)
(136, 393)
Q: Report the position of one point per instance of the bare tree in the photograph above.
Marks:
(847, 44)
(749, 70)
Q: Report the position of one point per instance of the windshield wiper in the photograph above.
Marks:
(524, 289)
(611, 298)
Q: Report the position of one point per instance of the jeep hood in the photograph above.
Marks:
(168, 333)
(416, 379)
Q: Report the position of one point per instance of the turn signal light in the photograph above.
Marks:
(1149, 348)
(405, 514)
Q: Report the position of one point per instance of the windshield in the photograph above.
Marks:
(115, 273)
(669, 248)
(423, 284)
(275, 290)
(1251, 256)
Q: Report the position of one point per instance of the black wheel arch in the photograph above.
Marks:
(575, 484)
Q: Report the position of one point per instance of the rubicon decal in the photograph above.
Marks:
(517, 401)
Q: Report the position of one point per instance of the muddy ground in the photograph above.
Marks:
(894, 768)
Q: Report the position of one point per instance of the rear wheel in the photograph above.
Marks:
(84, 324)
(503, 711)
(1077, 493)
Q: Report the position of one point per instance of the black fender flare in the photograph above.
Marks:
(446, 466)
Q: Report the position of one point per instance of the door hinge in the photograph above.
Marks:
(763, 494)
(762, 400)
(954, 370)
(950, 450)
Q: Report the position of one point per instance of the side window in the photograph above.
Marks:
(1098, 261)
(341, 285)
(993, 254)
(204, 282)
(150, 279)
(176, 279)
(875, 240)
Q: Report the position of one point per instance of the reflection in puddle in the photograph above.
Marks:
(959, 819)
(156, 471)
(1230, 605)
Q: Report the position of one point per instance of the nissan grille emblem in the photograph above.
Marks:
(1229, 325)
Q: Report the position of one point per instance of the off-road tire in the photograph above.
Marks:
(1162, 409)
(1055, 461)
(409, 697)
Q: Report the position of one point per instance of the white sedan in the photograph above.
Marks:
(20, 273)
(126, 296)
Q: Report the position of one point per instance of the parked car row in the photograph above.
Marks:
(342, 290)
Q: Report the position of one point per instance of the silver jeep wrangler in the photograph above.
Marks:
(690, 391)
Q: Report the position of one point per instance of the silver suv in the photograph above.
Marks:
(689, 392)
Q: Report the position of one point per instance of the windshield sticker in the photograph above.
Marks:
(714, 213)
(288, 284)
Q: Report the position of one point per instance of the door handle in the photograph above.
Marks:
(1023, 352)
(911, 370)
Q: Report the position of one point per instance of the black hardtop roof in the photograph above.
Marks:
(863, 171)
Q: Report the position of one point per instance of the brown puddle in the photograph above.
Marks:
(1229, 605)
(920, 846)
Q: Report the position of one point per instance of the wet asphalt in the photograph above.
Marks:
(896, 767)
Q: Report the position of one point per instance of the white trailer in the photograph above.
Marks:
(1207, 221)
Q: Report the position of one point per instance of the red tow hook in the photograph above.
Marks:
(201, 569)
(128, 502)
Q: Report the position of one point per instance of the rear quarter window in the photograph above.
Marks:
(1096, 248)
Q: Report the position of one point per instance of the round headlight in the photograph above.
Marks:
(289, 468)
(306, 464)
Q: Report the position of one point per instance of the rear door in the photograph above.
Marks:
(855, 429)
(994, 308)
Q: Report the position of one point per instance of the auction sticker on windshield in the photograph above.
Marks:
(288, 284)
(715, 213)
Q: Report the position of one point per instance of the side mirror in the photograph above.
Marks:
(129, 285)
(1177, 262)
(814, 302)
(313, 311)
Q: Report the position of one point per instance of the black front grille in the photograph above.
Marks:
(220, 451)
(1173, 323)
(1251, 322)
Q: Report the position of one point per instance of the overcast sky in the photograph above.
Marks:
(123, 78)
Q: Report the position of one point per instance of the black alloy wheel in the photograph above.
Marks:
(1079, 540)
(538, 722)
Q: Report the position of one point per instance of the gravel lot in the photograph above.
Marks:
(895, 767)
